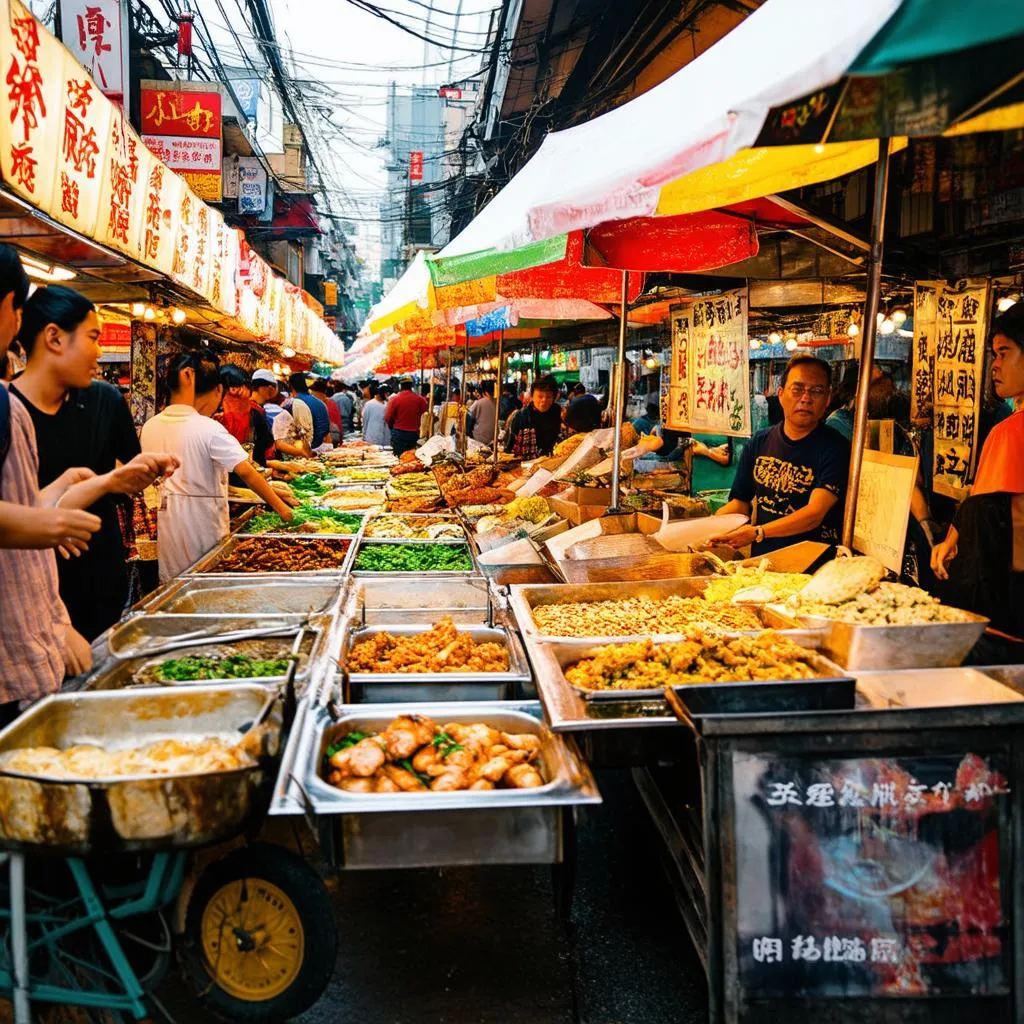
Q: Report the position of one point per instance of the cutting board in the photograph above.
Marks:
(794, 558)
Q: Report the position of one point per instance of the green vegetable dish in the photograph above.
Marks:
(309, 483)
(231, 666)
(306, 519)
(413, 558)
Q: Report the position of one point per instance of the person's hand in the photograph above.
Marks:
(75, 475)
(77, 653)
(942, 554)
(289, 499)
(143, 470)
(29, 527)
(738, 538)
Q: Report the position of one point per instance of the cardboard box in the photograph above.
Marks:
(588, 495)
(574, 512)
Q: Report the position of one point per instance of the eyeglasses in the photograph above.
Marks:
(799, 390)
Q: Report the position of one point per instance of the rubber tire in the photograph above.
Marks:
(305, 889)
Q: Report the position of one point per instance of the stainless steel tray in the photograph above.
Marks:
(448, 518)
(120, 674)
(283, 594)
(523, 599)
(137, 812)
(935, 688)
(556, 657)
(284, 530)
(569, 779)
(431, 575)
(415, 601)
(931, 645)
(412, 687)
(209, 562)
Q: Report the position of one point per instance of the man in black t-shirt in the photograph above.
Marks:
(791, 478)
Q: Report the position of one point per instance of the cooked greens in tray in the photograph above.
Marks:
(231, 666)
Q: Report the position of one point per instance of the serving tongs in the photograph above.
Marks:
(199, 637)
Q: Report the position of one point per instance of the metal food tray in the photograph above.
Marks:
(119, 674)
(412, 687)
(523, 599)
(280, 595)
(208, 563)
(286, 531)
(379, 599)
(449, 518)
(568, 778)
(929, 645)
(137, 812)
(556, 657)
(433, 574)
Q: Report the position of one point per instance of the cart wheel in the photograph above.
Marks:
(260, 939)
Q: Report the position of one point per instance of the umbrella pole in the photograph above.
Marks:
(497, 395)
(867, 356)
(618, 403)
(463, 434)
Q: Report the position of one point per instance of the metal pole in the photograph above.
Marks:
(869, 330)
(19, 940)
(464, 440)
(619, 398)
(497, 395)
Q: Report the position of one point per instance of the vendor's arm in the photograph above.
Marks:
(719, 454)
(803, 520)
(944, 552)
(254, 480)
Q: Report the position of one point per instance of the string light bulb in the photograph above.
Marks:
(898, 316)
(853, 330)
(791, 344)
(775, 337)
(288, 352)
(179, 316)
(887, 326)
(150, 313)
(755, 343)
(138, 308)
(1007, 302)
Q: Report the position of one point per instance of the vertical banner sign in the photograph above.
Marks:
(926, 298)
(709, 380)
(94, 32)
(960, 331)
(878, 878)
(252, 186)
(123, 196)
(415, 165)
(182, 126)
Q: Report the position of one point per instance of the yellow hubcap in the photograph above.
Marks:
(253, 942)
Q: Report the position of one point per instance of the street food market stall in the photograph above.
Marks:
(413, 711)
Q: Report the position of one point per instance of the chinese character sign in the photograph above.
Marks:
(182, 126)
(85, 130)
(926, 297)
(31, 105)
(416, 165)
(709, 379)
(122, 204)
(961, 325)
(871, 877)
(93, 31)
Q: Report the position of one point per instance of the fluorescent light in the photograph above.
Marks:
(46, 271)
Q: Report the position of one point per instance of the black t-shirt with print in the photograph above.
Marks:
(779, 474)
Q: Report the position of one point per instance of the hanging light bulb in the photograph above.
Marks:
(288, 352)
(755, 343)
(775, 337)
(791, 344)
(887, 326)
(138, 308)
(898, 316)
(853, 330)
(150, 313)
(179, 316)
(1007, 301)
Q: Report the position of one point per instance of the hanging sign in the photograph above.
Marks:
(415, 165)
(709, 381)
(164, 195)
(94, 32)
(252, 186)
(122, 205)
(949, 353)
(182, 126)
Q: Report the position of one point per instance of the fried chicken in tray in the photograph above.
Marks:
(416, 755)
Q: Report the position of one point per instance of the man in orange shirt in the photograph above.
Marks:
(1001, 466)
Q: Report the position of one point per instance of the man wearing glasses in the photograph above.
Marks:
(791, 479)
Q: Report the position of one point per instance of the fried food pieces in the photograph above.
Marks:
(441, 649)
(416, 755)
(702, 657)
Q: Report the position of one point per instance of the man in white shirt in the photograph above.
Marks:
(193, 515)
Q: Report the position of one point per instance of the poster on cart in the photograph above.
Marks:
(872, 877)
(950, 333)
(709, 379)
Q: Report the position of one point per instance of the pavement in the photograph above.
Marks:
(486, 946)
